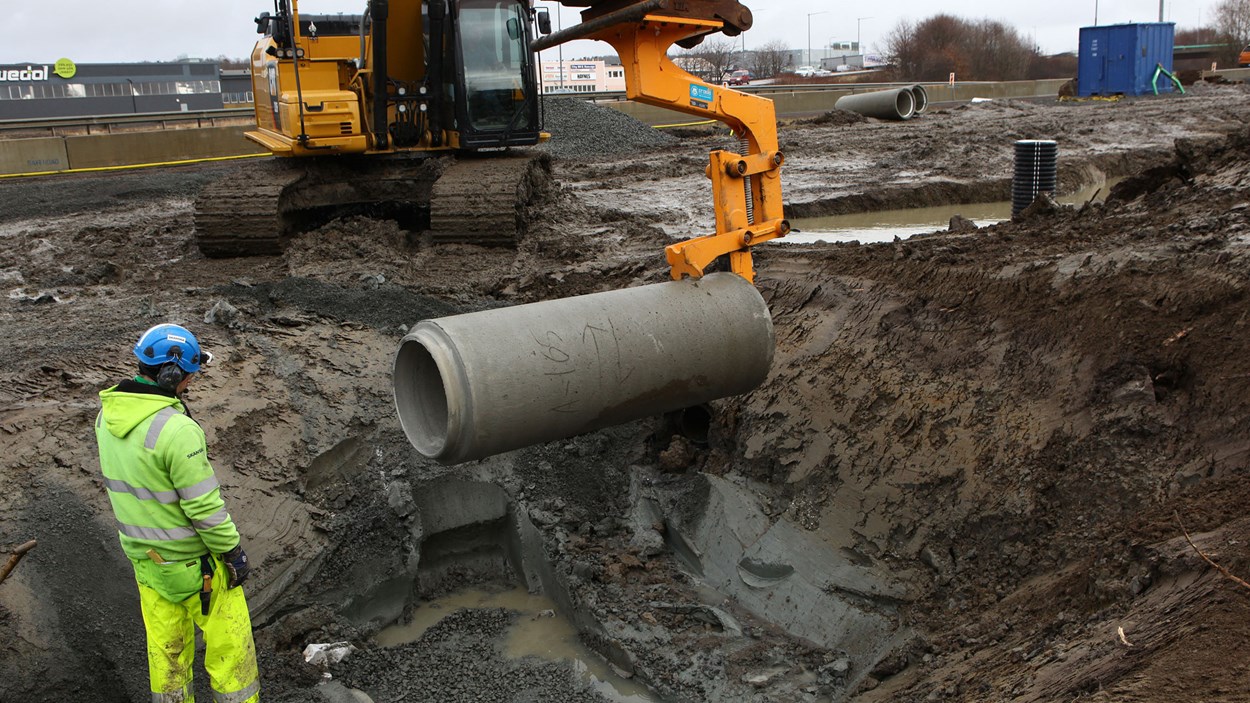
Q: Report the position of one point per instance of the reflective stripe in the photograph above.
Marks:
(158, 424)
(212, 520)
(204, 487)
(119, 486)
(155, 533)
(175, 697)
(239, 696)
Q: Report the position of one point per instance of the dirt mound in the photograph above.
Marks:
(961, 481)
(837, 117)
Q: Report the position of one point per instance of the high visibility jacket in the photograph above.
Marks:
(164, 493)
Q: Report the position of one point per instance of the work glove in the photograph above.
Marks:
(236, 563)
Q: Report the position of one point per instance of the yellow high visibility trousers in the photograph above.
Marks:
(230, 658)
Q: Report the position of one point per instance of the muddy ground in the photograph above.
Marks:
(964, 479)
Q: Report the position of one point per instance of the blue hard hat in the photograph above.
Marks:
(165, 343)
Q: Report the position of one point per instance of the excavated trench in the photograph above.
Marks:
(475, 549)
(961, 481)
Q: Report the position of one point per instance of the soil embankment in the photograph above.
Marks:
(964, 479)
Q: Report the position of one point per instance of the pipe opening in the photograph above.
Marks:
(421, 398)
(905, 104)
(694, 423)
(920, 98)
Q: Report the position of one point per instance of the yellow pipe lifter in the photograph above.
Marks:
(746, 187)
(473, 385)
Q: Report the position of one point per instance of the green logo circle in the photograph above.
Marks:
(65, 68)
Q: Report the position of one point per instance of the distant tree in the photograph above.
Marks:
(1232, 20)
(1056, 66)
(1232, 26)
(1200, 35)
(996, 52)
(228, 62)
(768, 60)
(943, 44)
(713, 56)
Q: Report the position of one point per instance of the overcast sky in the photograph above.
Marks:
(129, 30)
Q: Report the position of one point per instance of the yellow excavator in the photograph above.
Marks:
(414, 110)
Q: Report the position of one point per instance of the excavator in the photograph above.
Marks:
(415, 109)
(475, 385)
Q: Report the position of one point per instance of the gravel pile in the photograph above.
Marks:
(459, 660)
(579, 129)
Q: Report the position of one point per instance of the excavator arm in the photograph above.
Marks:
(746, 186)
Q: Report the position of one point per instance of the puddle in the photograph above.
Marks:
(539, 631)
(885, 225)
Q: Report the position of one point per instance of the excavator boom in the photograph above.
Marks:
(746, 186)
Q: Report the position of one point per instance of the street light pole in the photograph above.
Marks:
(858, 46)
(134, 103)
(809, 33)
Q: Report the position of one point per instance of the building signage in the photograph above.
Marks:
(65, 68)
(30, 73)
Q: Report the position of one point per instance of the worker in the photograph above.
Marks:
(173, 524)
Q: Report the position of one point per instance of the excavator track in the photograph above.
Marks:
(256, 210)
(238, 215)
(482, 199)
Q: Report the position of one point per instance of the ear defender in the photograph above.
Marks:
(170, 376)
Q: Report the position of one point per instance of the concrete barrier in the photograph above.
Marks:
(103, 150)
(60, 153)
(803, 102)
(33, 155)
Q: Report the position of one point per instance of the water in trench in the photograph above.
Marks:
(539, 631)
(885, 225)
(476, 550)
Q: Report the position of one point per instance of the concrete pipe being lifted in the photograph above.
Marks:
(920, 96)
(894, 104)
(473, 385)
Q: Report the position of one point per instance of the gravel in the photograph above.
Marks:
(459, 660)
(579, 129)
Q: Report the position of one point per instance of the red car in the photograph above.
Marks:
(740, 78)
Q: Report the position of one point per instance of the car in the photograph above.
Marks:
(805, 71)
(1243, 60)
(740, 77)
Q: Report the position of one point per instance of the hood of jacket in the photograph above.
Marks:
(131, 402)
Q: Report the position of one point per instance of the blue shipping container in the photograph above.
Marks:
(1122, 58)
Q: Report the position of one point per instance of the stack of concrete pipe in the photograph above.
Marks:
(893, 104)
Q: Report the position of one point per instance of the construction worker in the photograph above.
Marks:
(173, 524)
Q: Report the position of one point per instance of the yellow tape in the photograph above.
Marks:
(130, 166)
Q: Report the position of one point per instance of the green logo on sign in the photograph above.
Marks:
(65, 68)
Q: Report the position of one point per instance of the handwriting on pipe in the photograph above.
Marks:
(590, 364)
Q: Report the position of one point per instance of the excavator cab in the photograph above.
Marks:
(498, 105)
(405, 75)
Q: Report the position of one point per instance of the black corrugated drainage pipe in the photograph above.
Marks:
(893, 104)
(1037, 168)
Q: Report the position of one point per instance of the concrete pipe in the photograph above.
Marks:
(921, 98)
(894, 104)
(470, 386)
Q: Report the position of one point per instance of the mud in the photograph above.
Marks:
(964, 479)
